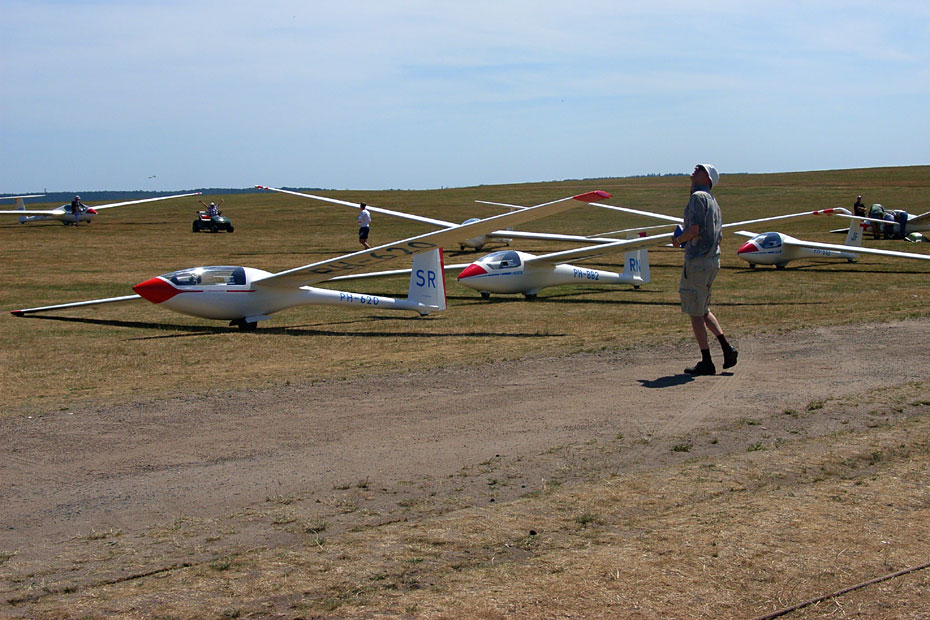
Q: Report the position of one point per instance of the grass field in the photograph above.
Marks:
(114, 353)
(709, 535)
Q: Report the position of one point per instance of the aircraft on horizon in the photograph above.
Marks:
(245, 295)
(775, 248)
(65, 214)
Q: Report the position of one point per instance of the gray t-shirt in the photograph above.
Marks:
(704, 211)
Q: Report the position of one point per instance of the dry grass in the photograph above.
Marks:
(715, 537)
(114, 353)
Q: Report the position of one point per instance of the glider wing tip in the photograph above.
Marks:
(17, 312)
(593, 196)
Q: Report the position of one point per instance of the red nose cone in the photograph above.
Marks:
(155, 290)
(472, 270)
(747, 247)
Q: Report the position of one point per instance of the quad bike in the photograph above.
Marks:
(210, 223)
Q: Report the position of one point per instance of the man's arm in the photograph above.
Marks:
(693, 231)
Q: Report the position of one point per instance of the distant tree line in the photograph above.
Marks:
(132, 194)
(136, 194)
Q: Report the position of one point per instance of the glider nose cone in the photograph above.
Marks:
(155, 290)
(472, 270)
(747, 247)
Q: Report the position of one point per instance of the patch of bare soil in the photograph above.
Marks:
(110, 510)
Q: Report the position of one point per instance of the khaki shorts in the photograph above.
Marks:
(697, 276)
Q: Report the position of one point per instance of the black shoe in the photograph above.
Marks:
(729, 358)
(702, 368)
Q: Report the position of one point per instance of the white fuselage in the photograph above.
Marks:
(63, 214)
(509, 272)
(771, 249)
(230, 293)
(909, 227)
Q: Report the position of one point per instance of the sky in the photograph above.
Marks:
(173, 95)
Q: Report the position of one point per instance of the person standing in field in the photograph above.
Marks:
(77, 209)
(364, 225)
(858, 207)
(701, 241)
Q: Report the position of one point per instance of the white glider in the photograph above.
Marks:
(65, 214)
(514, 272)
(902, 225)
(775, 248)
(477, 242)
(245, 295)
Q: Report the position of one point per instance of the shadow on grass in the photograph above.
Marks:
(570, 298)
(673, 380)
(293, 330)
(668, 381)
(853, 268)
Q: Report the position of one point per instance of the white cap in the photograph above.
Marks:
(712, 173)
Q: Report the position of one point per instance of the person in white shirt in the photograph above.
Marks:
(364, 224)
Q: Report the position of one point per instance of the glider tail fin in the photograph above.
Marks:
(428, 282)
(854, 236)
(21, 206)
(636, 262)
(636, 265)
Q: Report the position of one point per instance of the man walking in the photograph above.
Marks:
(701, 241)
(364, 225)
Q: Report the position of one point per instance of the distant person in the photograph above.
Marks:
(364, 225)
(77, 208)
(858, 207)
(876, 212)
(701, 241)
(888, 229)
(213, 209)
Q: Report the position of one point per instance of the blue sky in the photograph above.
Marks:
(417, 94)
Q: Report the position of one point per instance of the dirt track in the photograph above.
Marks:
(184, 480)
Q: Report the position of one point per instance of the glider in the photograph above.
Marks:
(514, 272)
(775, 248)
(902, 224)
(476, 242)
(245, 295)
(64, 213)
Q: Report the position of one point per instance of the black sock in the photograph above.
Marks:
(723, 343)
(705, 356)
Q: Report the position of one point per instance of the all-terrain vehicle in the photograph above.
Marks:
(215, 223)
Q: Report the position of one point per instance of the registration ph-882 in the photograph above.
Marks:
(585, 274)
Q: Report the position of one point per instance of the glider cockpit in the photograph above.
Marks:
(206, 276)
(505, 259)
(769, 241)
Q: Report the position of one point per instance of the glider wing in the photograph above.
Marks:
(357, 261)
(135, 202)
(355, 205)
(76, 304)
